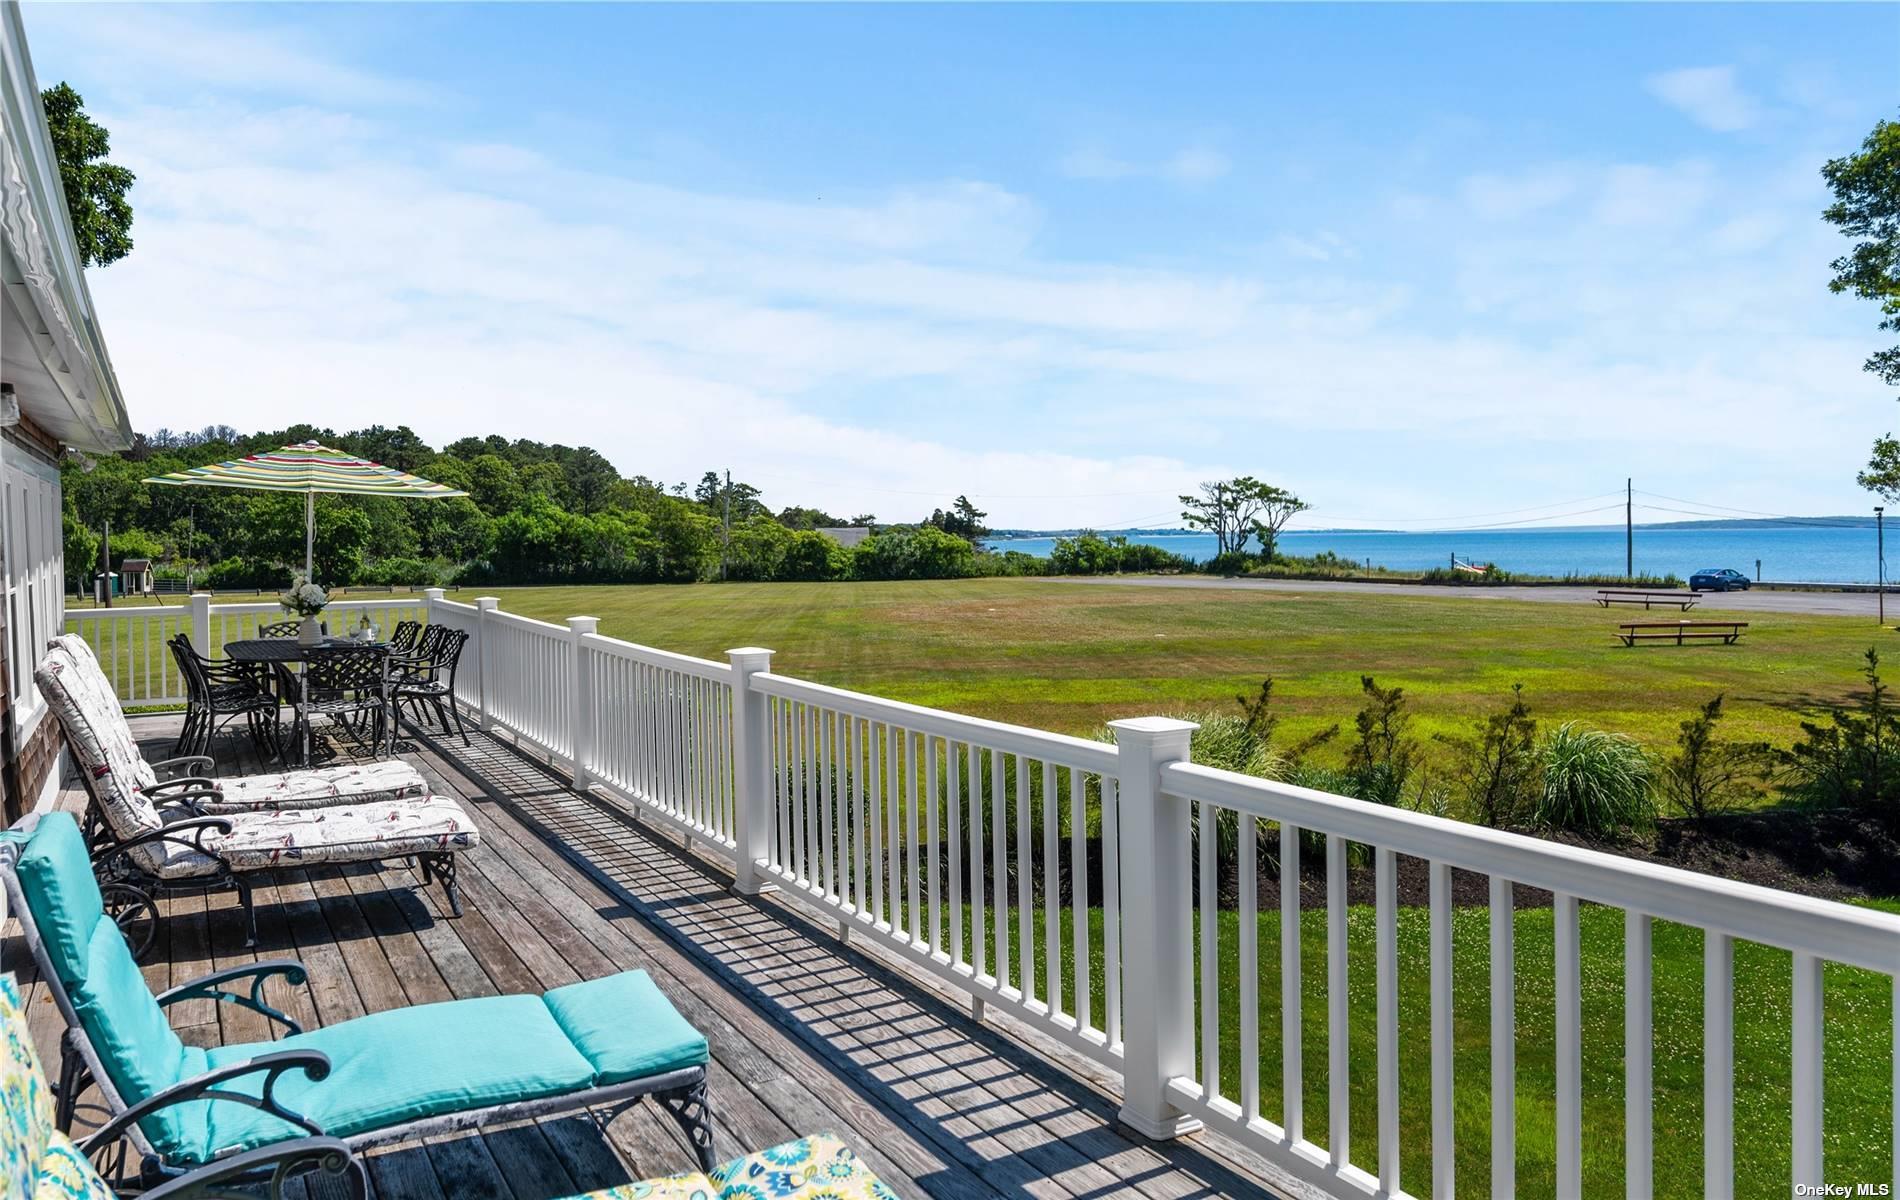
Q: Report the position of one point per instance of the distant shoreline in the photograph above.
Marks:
(1739, 523)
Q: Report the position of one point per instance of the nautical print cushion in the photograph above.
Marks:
(353, 783)
(347, 833)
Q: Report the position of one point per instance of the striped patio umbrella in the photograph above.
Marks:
(309, 468)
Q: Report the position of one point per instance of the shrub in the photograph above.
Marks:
(403, 572)
(925, 552)
(233, 573)
(1707, 775)
(1498, 770)
(1594, 782)
(1381, 760)
(1853, 761)
(810, 556)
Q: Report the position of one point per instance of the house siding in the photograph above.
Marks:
(29, 740)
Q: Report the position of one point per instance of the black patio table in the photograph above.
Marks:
(288, 650)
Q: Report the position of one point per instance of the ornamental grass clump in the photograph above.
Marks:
(1594, 782)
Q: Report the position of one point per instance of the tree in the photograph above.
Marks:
(1866, 206)
(964, 520)
(1277, 507)
(1234, 510)
(95, 188)
(1707, 774)
(1499, 769)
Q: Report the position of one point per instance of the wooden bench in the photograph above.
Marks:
(1682, 600)
(1680, 632)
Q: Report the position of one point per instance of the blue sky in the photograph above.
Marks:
(1415, 262)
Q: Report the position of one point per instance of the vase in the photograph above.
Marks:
(307, 632)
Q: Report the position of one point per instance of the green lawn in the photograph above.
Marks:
(1858, 1053)
(1067, 657)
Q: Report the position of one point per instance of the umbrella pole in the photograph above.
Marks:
(309, 533)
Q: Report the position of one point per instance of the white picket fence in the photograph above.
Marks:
(998, 858)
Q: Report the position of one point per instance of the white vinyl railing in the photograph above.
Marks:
(130, 642)
(1089, 889)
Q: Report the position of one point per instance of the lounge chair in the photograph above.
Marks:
(201, 833)
(38, 1160)
(387, 1077)
(86, 696)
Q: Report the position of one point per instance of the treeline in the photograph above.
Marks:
(536, 513)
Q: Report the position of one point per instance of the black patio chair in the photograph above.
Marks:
(218, 692)
(403, 639)
(350, 685)
(279, 629)
(427, 679)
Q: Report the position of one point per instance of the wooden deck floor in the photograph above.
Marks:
(809, 1034)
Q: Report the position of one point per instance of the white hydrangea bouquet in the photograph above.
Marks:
(304, 598)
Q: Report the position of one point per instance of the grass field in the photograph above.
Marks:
(1067, 658)
(1857, 1052)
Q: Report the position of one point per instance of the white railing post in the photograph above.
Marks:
(581, 719)
(200, 605)
(1157, 933)
(483, 606)
(751, 767)
(429, 597)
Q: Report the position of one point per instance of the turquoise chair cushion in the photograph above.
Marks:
(404, 1065)
(56, 877)
(625, 1028)
(134, 1040)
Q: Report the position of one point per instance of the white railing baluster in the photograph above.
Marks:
(1292, 1036)
(1025, 881)
(1209, 905)
(1338, 1012)
(933, 851)
(1111, 910)
(1051, 900)
(953, 834)
(1386, 972)
(1718, 1066)
(1083, 985)
(1247, 919)
(979, 958)
(1569, 1033)
(1638, 1050)
(1444, 1152)
(1809, 1015)
(912, 844)
(999, 866)
(878, 822)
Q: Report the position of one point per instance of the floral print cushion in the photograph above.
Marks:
(347, 833)
(103, 749)
(813, 1168)
(354, 783)
(65, 1174)
(36, 1160)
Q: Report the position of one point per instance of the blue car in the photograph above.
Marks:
(1718, 579)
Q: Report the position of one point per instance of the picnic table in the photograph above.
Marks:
(1681, 632)
(1681, 600)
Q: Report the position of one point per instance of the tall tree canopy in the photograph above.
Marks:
(1866, 207)
(95, 188)
(1235, 510)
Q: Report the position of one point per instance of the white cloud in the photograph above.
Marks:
(1709, 96)
(1189, 165)
(1502, 197)
(294, 262)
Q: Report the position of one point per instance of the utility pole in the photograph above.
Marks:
(1880, 573)
(105, 563)
(1629, 528)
